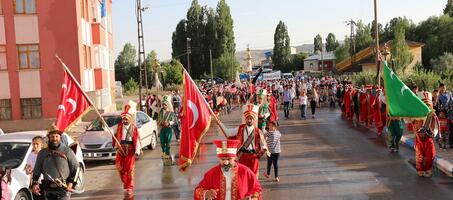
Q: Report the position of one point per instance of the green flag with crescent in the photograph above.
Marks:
(401, 101)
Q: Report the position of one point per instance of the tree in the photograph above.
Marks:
(224, 29)
(297, 62)
(331, 42)
(150, 61)
(317, 43)
(282, 50)
(442, 63)
(342, 52)
(400, 50)
(172, 72)
(449, 8)
(194, 32)
(179, 45)
(125, 64)
(363, 36)
(226, 66)
(436, 33)
(389, 30)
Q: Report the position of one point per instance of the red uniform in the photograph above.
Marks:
(126, 163)
(347, 98)
(363, 108)
(425, 150)
(251, 160)
(379, 121)
(243, 183)
(273, 109)
(371, 101)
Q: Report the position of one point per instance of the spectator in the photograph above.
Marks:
(37, 143)
(313, 97)
(287, 98)
(5, 180)
(303, 104)
(273, 144)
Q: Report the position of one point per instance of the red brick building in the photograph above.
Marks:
(31, 33)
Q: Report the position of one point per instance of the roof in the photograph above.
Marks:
(367, 52)
(325, 56)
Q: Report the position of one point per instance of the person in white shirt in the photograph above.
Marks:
(36, 143)
(303, 99)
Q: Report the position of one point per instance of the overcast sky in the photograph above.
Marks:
(255, 20)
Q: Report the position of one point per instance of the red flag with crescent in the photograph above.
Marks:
(195, 123)
(73, 104)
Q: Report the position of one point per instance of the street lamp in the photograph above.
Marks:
(188, 54)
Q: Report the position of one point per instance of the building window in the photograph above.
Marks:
(25, 6)
(3, 65)
(5, 109)
(31, 108)
(28, 56)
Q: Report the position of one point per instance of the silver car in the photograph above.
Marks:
(96, 143)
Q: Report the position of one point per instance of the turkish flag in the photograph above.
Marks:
(195, 123)
(73, 103)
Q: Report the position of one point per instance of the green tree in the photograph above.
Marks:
(442, 63)
(449, 8)
(150, 61)
(179, 42)
(389, 30)
(131, 87)
(226, 66)
(125, 64)
(343, 51)
(317, 43)
(331, 42)
(436, 33)
(282, 51)
(297, 62)
(224, 30)
(400, 50)
(194, 27)
(172, 72)
(363, 37)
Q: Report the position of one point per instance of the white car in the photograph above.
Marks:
(96, 143)
(14, 151)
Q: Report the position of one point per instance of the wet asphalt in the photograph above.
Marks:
(322, 158)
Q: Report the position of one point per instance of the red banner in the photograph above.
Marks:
(73, 104)
(195, 123)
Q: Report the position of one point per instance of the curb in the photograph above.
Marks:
(443, 165)
(440, 163)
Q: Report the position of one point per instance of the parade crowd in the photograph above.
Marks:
(258, 135)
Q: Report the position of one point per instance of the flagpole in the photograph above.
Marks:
(219, 123)
(89, 100)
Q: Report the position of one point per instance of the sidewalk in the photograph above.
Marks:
(443, 160)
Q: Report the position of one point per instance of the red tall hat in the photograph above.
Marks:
(126, 113)
(226, 148)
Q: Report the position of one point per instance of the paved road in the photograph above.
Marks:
(322, 158)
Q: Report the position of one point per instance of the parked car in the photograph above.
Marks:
(14, 151)
(96, 142)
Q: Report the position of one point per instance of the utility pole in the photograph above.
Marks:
(352, 23)
(210, 63)
(188, 55)
(322, 59)
(377, 52)
(141, 53)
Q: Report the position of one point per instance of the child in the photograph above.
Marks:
(273, 144)
(303, 104)
(5, 179)
(36, 143)
(444, 130)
